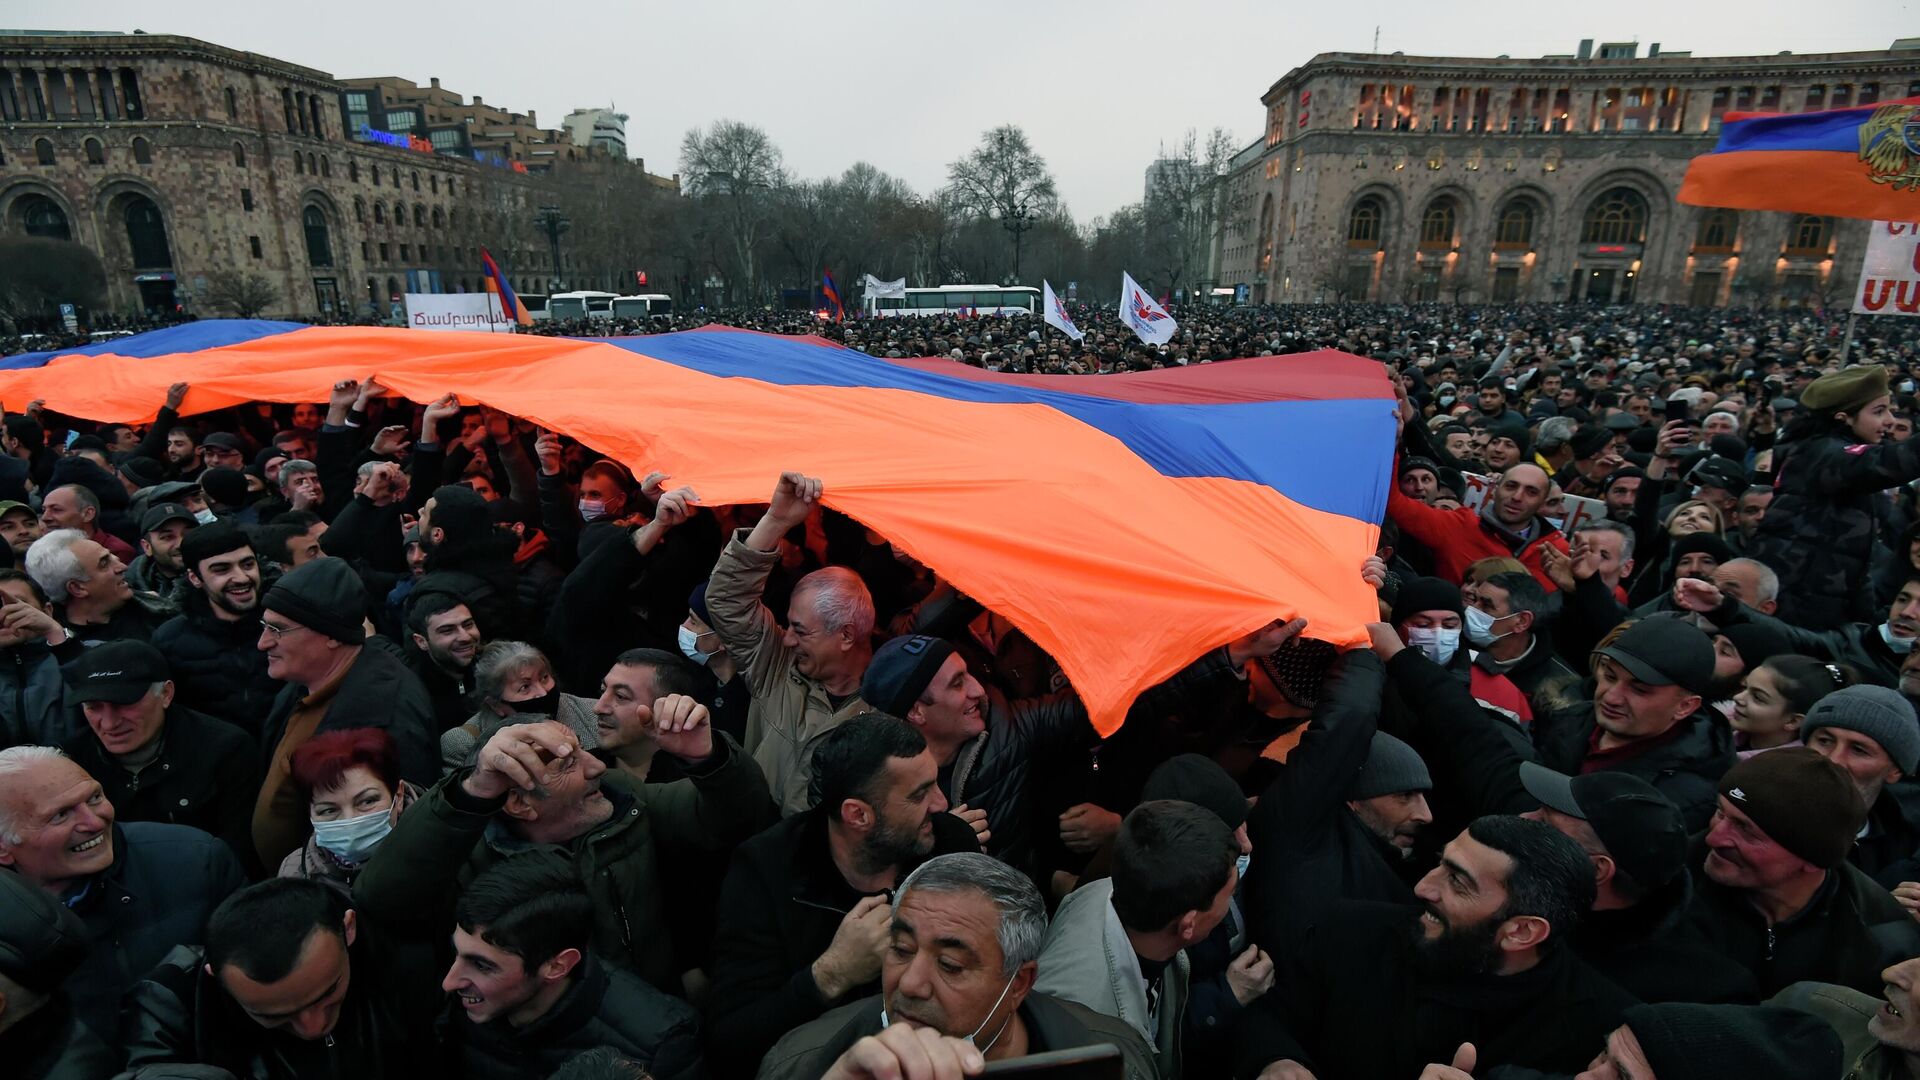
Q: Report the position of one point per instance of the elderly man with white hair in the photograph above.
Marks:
(87, 585)
(140, 887)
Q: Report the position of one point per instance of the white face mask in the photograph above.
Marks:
(1900, 645)
(354, 839)
(689, 645)
(885, 1020)
(1439, 645)
(591, 509)
(205, 517)
(1480, 628)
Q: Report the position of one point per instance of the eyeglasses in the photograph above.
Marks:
(278, 631)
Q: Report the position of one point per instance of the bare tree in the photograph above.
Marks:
(734, 169)
(1183, 204)
(245, 294)
(37, 274)
(1003, 179)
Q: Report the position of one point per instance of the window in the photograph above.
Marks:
(419, 216)
(240, 156)
(416, 180)
(233, 104)
(402, 120)
(319, 244)
(1808, 235)
(1816, 97)
(433, 184)
(130, 89)
(1436, 225)
(366, 251)
(439, 219)
(359, 209)
(1619, 216)
(147, 234)
(399, 213)
(379, 214)
(376, 175)
(444, 140)
(326, 167)
(313, 113)
(1869, 94)
(109, 102)
(353, 170)
(383, 253)
(1717, 230)
(41, 216)
(406, 253)
(312, 165)
(246, 198)
(1516, 226)
(286, 106)
(1842, 97)
(142, 151)
(43, 151)
(299, 163)
(1363, 225)
(358, 110)
(253, 242)
(96, 153)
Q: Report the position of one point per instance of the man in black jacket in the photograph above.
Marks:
(1481, 960)
(803, 912)
(1646, 717)
(527, 992)
(1637, 844)
(41, 942)
(209, 646)
(291, 985)
(158, 760)
(446, 641)
(87, 584)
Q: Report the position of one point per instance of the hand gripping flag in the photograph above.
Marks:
(1148, 319)
(510, 306)
(1056, 312)
(1862, 162)
(1128, 524)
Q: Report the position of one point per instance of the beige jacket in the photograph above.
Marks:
(790, 712)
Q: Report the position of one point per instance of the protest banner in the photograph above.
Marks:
(456, 311)
(1890, 274)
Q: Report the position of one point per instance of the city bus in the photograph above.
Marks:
(656, 305)
(585, 304)
(536, 305)
(958, 299)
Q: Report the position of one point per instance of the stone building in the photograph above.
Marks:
(175, 159)
(1409, 178)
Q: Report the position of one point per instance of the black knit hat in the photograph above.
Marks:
(1200, 780)
(1391, 768)
(1756, 642)
(900, 671)
(1706, 542)
(225, 487)
(324, 596)
(461, 512)
(1802, 801)
(1624, 472)
(1734, 1042)
(1419, 594)
(1588, 441)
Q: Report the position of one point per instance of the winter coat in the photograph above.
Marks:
(780, 904)
(617, 599)
(1086, 958)
(216, 665)
(33, 695)
(1847, 934)
(1352, 1004)
(180, 1015)
(164, 882)
(1819, 531)
(459, 745)
(1472, 752)
(807, 1052)
(52, 1044)
(207, 776)
(1686, 768)
(449, 837)
(1459, 538)
(1647, 952)
(604, 1006)
(378, 691)
(791, 712)
(1848, 1012)
(136, 620)
(1857, 645)
(1312, 854)
(144, 575)
(1888, 851)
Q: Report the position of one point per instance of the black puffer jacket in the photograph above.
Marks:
(1819, 532)
(604, 1007)
(1687, 768)
(217, 668)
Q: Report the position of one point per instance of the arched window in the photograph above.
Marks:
(1717, 230)
(1618, 216)
(142, 151)
(1436, 225)
(416, 179)
(1516, 225)
(299, 163)
(240, 157)
(359, 209)
(439, 218)
(449, 185)
(96, 153)
(1363, 225)
(1808, 235)
(433, 184)
(326, 167)
(233, 105)
(41, 216)
(147, 234)
(353, 170)
(419, 215)
(379, 213)
(319, 245)
(43, 151)
(312, 165)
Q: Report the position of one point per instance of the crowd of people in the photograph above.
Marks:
(379, 739)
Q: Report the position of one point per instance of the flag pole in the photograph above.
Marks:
(1846, 342)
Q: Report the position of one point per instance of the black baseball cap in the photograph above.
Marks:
(159, 515)
(224, 440)
(1641, 828)
(120, 672)
(1664, 652)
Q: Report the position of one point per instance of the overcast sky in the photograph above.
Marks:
(909, 86)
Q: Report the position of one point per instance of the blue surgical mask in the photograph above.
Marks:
(205, 517)
(1480, 628)
(592, 508)
(1900, 645)
(690, 646)
(353, 839)
(1439, 645)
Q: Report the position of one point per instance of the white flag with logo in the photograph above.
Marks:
(1148, 319)
(875, 288)
(1056, 312)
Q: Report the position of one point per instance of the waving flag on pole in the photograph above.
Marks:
(1861, 162)
(1056, 312)
(832, 293)
(510, 305)
(1139, 311)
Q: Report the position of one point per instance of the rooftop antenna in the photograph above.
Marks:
(1376, 38)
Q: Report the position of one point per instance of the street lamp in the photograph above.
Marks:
(554, 223)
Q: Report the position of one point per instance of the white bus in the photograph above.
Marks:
(954, 299)
(536, 305)
(656, 305)
(585, 304)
